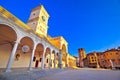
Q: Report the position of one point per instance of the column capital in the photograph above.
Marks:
(17, 41)
(60, 51)
(34, 46)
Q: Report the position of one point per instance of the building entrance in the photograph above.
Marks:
(36, 63)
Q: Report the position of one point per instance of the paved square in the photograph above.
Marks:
(85, 74)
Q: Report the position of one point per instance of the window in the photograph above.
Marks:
(112, 58)
(92, 57)
(34, 58)
(107, 54)
(113, 61)
(43, 18)
(47, 60)
(118, 61)
(116, 53)
(110, 53)
(40, 59)
(57, 54)
(33, 13)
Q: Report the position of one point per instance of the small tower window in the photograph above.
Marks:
(43, 18)
(34, 14)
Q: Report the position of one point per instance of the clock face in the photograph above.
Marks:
(43, 18)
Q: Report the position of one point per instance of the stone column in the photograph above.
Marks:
(43, 62)
(50, 62)
(31, 60)
(60, 59)
(112, 66)
(67, 60)
(54, 60)
(8, 69)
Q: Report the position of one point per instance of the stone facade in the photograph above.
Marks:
(93, 60)
(82, 56)
(109, 59)
(112, 58)
(28, 45)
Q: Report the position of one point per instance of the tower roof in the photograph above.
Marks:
(41, 7)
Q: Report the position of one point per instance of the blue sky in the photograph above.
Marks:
(90, 24)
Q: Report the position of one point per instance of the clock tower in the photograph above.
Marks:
(38, 20)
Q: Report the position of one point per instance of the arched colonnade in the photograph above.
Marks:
(21, 48)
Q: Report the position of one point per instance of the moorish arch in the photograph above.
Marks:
(47, 57)
(37, 60)
(23, 53)
(8, 36)
(64, 56)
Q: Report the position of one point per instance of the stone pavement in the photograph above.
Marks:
(29, 75)
(85, 74)
(62, 74)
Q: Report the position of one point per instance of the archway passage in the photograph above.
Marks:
(47, 58)
(37, 60)
(21, 58)
(52, 59)
(57, 61)
(64, 56)
(8, 37)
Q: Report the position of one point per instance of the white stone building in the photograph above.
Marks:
(28, 46)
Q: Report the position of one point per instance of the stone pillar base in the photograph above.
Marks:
(60, 66)
(29, 69)
(8, 70)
